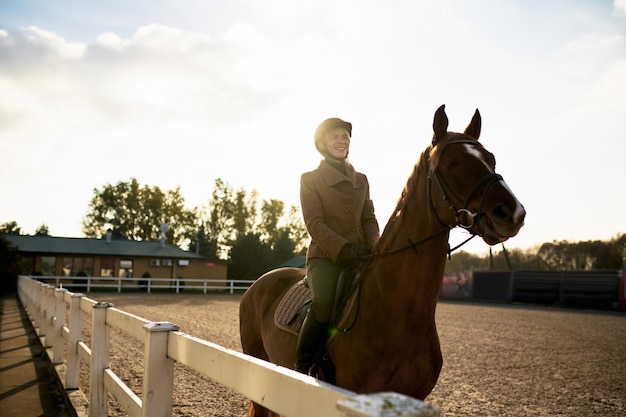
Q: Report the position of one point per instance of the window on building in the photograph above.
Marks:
(154, 262)
(106, 267)
(48, 265)
(26, 265)
(126, 268)
(166, 262)
(77, 266)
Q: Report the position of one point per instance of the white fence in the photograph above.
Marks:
(89, 284)
(279, 389)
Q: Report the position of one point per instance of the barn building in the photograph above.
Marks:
(111, 258)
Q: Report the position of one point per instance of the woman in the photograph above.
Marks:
(339, 216)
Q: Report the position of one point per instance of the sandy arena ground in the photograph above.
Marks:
(499, 360)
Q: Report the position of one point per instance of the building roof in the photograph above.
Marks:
(97, 247)
(295, 262)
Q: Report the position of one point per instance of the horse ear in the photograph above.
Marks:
(473, 129)
(440, 124)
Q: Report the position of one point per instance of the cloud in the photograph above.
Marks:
(619, 7)
(161, 73)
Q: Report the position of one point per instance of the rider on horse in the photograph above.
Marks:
(339, 216)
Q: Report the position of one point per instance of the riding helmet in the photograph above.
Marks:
(325, 126)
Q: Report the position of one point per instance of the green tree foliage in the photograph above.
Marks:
(250, 258)
(42, 230)
(232, 215)
(134, 212)
(271, 212)
(553, 256)
(244, 214)
(10, 228)
(278, 228)
(202, 242)
(585, 255)
(219, 226)
(297, 230)
(283, 246)
(465, 261)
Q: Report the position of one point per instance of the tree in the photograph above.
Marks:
(219, 225)
(464, 261)
(618, 253)
(297, 230)
(283, 247)
(136, 213)
(244, 212)
(202, 243)
(249, 258)
(42, 230)
(271, 212)
(277, 226)
(10, 228)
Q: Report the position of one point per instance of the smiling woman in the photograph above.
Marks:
(339, 216)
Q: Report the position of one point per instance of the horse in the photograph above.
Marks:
(390, 341)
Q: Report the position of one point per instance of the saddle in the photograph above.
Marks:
(296, 302)
(292, 309)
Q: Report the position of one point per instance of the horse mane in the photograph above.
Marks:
(429, 158)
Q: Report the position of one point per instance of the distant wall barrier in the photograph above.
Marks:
(280, 389)
(593, 289)
(89, 284)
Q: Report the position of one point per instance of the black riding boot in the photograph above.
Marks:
(312, 334)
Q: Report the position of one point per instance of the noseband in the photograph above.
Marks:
(464, 217)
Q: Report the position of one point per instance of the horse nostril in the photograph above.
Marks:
(501, 212)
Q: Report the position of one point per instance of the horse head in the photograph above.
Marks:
(464, 189)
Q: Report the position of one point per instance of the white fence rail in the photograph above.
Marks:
(89, 284)
(279, 389)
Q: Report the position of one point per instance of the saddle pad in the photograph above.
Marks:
(290, 306)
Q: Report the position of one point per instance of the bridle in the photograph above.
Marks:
(470, 218)
(483, 184)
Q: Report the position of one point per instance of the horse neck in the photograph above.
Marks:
(413, 275)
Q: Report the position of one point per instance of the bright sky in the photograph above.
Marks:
(183, 92)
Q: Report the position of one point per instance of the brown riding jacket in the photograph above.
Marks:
(337, 209)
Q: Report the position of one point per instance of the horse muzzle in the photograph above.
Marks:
(501, 221)
(501, 216)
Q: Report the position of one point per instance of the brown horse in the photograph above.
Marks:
(391, 344)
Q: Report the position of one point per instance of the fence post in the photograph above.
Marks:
(59, 314)
(50, 305)
(45, 334)
(100, 338)
(72, 374)
(158, 378)
(38, 311)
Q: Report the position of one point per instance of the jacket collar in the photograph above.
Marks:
(332, 177)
